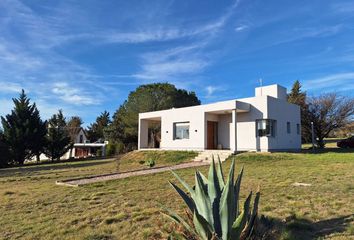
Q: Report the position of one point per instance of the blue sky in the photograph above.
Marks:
(86, 56)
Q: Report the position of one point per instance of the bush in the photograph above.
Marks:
(114, 148)
(150, 162)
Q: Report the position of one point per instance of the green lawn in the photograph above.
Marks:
(33, 207)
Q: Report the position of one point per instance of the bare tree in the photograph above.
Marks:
(329, 112)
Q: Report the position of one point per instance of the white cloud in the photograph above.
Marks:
(241, 28)
(6, 87)
(210, 90)
(6, 106)
(339, 81)
(73, 95)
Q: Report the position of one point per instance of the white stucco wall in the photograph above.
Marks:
(264, 105)
(246, 125)
(284, 112)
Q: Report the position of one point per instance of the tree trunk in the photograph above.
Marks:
(37, 157)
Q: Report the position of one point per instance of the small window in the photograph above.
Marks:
(298, 129)
(288, 128)
(181, 130)
(265, 127)
(81, 139)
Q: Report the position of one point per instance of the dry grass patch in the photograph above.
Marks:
(129, 208)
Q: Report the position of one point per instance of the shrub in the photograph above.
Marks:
(114, 148)
(150, 162)
(214, 205)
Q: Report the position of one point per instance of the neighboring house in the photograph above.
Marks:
(265, 122)
(82, 146)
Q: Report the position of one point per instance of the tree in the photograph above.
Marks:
(329, 112)
(96, 129)
(73, 126)
(58, 139)
(149, 97)
(24, 131)
(4, 151)
(298, 97)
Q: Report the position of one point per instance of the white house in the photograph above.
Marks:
(265, 122)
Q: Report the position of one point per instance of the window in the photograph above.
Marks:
(81, 139)
(181, 130)
(298, 129)
(288, 129)
(265, 127)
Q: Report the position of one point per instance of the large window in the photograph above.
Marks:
(265, 127)
(181, 130)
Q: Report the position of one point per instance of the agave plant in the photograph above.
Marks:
(215, 207)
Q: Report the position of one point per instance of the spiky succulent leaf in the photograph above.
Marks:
(220, 174)
(213, 182)
(202, 226)
(188, 200)
(205, 182)
(176, 218)
(252, 219)
(237, 191)
(201, 199)
(227, 206)
(241, 220)
(214, 193)
(186, 185)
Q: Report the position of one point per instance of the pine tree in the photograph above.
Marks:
(24, 131)
(58, 139)
(96, 129)
(298, 97)
(4, 151)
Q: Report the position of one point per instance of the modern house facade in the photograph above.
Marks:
(265, 122)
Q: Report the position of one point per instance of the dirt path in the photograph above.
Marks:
(100, 178)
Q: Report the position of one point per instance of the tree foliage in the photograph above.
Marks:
(96, 130)
(149, 97)
(4, 151)
(24, 131)
(73, 126)
(329, 112)
(58, 138)
(298, 97)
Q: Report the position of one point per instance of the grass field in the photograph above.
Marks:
(33, 207)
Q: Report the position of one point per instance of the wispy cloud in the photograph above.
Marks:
(332, 81)
(343, 7)
(6, 87)
(73, 95)
(241, 27)
(174, 64)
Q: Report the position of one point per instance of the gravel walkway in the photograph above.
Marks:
(100, 178)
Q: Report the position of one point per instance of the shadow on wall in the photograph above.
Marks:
(250, 116)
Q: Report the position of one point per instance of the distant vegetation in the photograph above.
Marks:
(328, 112)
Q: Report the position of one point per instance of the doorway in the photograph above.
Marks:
(212, 135)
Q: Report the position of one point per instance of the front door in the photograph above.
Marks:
(212, 134)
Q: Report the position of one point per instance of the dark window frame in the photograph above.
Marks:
(266, 127)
